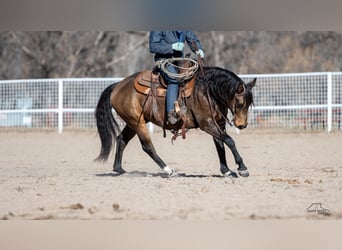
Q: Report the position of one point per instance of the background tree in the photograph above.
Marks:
(51, 54)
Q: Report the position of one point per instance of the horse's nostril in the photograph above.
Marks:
(242, 126)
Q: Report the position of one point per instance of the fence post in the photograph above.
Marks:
(329, 101)
(60, 106)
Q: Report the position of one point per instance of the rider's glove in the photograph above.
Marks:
(179, 46)
(200, 53)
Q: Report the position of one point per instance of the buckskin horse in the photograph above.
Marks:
(214, 91)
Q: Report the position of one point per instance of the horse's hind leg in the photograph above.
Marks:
(148, 147)
(126, 135)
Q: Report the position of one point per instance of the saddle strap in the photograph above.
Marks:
(155, 104)
(176, 134)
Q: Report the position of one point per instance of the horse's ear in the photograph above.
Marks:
(251, 84)
(241, 89)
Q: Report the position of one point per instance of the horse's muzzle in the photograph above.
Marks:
(242, 126)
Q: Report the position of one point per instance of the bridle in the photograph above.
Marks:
(230, 122)
(237, 95)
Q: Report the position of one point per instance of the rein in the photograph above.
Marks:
(210, 101)
(199, 59)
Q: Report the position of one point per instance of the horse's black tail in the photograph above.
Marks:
(107, 127)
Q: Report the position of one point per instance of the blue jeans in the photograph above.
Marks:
(172, 89)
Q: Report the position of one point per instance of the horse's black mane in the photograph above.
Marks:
(221, 83)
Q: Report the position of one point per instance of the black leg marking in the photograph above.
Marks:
(126, 135)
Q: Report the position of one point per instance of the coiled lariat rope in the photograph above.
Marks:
(184, 72)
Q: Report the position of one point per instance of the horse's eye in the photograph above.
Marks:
(239, 105)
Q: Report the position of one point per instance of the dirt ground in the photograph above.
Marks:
(46, 175)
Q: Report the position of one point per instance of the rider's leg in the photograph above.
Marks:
(171, 96)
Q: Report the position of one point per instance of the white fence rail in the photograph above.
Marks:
(299, 101)
(302, 101)
(50, 103)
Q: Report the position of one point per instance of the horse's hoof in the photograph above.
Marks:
(119, 171)
(230, 174)
(243, 173)
(169, 171)
(174, 174)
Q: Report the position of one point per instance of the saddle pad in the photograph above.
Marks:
(142, 84)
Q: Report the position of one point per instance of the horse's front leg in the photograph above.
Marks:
(242, 169)
(220, 138)
(222, 157)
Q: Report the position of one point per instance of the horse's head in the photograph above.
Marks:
(239, 106)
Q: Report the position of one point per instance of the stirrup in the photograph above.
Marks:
(172, 117)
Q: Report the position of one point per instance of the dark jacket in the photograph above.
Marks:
(161, 43)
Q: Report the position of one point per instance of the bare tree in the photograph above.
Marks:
(50, 54)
